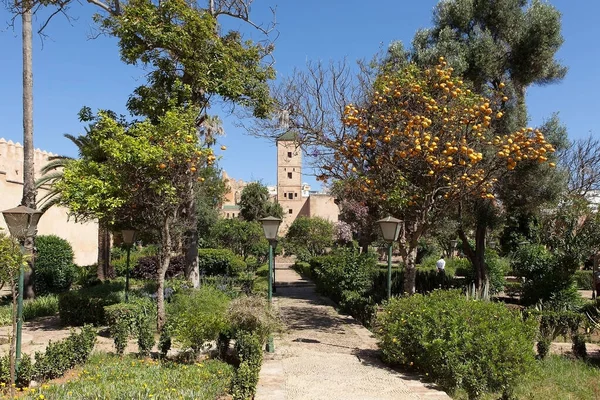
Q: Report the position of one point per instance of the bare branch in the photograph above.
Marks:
(582, 161)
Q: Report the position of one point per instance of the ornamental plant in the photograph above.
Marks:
(459, 343)
(422, 144)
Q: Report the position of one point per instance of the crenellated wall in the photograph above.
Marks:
(83, 237)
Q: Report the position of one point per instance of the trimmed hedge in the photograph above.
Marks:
(248, 348)
(54, 270)
(219, 262)
(459, 343)
(86, 306)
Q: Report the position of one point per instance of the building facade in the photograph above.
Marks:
(83, 237)
(294, 196)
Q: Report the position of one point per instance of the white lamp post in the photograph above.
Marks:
(390, 229)
(22, 223)
(270, 227)
(128, 238)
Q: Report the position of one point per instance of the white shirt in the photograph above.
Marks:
(440, 264)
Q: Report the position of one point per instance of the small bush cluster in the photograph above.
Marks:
(39, 307)
(248, 348)
(136, 318)
(198, 317)
(219, 262)
(346, 277)
(460, 343)
(147, 268)
(86, 306)
(58, 358)
(54, 268)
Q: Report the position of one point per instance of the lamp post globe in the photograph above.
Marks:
(271, 227)
(22, 223)
(390, 229)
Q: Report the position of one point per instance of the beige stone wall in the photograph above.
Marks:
(323, 205)
(83, 237)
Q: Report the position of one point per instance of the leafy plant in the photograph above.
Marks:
(248, 347)
(308, 237)
(478, 346)
(86, 306)
(198, 317)
(54, 269)
(219, 262)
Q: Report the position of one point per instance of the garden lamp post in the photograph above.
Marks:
(128, 239)
(390, 229)
(453, 244)
(270, 227)
(22, 224)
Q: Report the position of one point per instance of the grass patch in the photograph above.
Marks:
(556, 378)
(111, 377)
(39, 307)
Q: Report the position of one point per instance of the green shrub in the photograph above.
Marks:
(219, 262)
(42, 306)
(346, 277)
(553, 323)
(198, 317)
(86, 306)
(135, 318)
(303, 268)
(308, 237)
(63, 355)
(248, 347)
(164, 341)
(54, 269)
(478, 346)
(584, 280)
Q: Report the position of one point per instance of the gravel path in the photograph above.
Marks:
(325, 355)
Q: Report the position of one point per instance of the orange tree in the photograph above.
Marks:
(423, 143)
(137, 176)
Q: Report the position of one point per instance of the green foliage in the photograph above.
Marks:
(555, 323)
(248, 348)
(244, 238)
(32, 308)
(346, 278)
(86, 306)
(11, 258)
(109, 376)
(308, 237)
(478, 346)
(584, 280)
(255, 203)
(210, 193)
(135, 318)
(54, 269)
(63, 355)
(219, 262)
(198, 317)
(547, 278)
(164, 342)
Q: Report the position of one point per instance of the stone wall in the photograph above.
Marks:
(323, 205)
(83, 237)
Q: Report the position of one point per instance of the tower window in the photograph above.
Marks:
(289, 154)
(290, 195)
(285, 195)
(294, 169)
(295, 194)
(290, 211)
(289, 175)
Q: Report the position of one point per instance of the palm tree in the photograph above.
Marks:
(53, 171)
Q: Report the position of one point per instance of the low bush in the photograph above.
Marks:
(219, 262)
(248, 348)
(460, 343)
(147, 268)
(39, 307)
(198, 317)
(54, 268)
(584, 280)
(252, 314)
(86, 306)
(346, 277)
(303, 268)
(136, 318)
(63, 355)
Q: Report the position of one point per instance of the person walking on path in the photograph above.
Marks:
(440, 265)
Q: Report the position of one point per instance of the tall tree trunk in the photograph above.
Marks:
(165, 259)
(29, 191)
(103, 251)
(190, 244)
(477, 255)
(13, 336)
(410, 271)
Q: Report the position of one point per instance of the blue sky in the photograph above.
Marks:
(70, 70)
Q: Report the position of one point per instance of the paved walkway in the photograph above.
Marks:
(325, 355)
